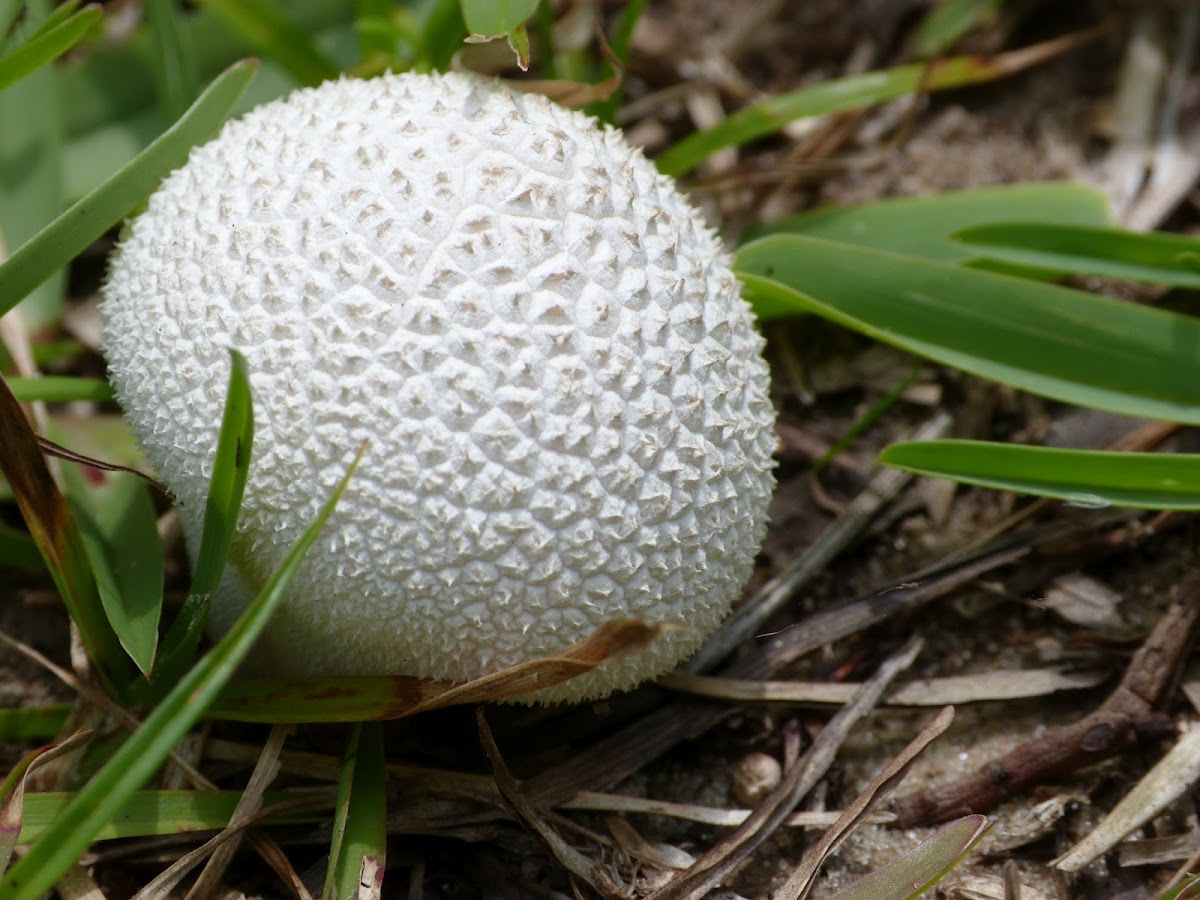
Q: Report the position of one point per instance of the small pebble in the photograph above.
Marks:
(754, 776)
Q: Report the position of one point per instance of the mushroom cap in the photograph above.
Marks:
(561, 392)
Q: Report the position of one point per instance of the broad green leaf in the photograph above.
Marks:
(267, 27)
(47, 45)
(1156, 257)
(1061, 343)
(841, 94)
(1091, 478)
(31, 173)
(68, 235)
(118, 525)
(59, 389)
(93, 808)
(150, 813)
(359, 846)
(231, 466)
(926, 226)
(494, 18)
(921, 867)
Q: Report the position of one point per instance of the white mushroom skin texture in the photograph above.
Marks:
(561, 392)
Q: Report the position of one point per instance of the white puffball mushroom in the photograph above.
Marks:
(561, 392)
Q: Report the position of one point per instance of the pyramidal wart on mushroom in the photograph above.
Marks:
(562, 394)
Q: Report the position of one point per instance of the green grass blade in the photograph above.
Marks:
(231, 466)
(68, 235)
(266, 27)
(621, 45)
(1091, 478)
(62, 843)
(60, 389)
(1061, 343)
(926, 226)
(110, 88)
(9, 10)
(176, 83)
(442, 33)
(53, 526)
(150, 813)
(1154, 257)
(31, 171)
(374, 23)
(359, 846)
(33, 723)
(837, 95)
(47, 45)
(944, 25)
(19, 551)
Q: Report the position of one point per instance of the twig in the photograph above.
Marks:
(594, 874)
(1127, 715)
(733, 848)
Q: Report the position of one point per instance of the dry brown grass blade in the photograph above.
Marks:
(610, 641)
(41, 503)
(626, 751)
(350, 698)
(12, 791)
(165, 883)
(799, 779)
(58, 450)
(799, 885)
(598, 877)
(1171, 777)
(984, 686)
(77, 884)
(264, 773)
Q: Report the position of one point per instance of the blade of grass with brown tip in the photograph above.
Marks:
(53, 527)
(139, 757)
(365, 698)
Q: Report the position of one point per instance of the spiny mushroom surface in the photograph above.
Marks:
(561, 391)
